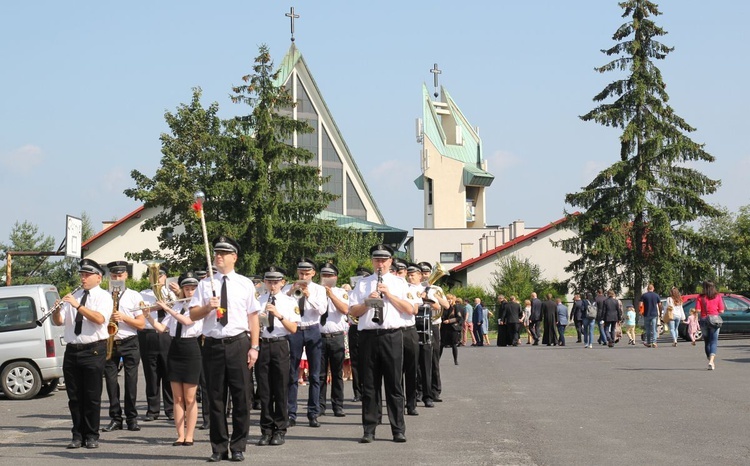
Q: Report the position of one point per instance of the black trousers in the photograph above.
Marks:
(353, 337)
(83, 366)
(332, 354)
(512, 333)
(381, 361)
(437, 385)
(424, 380)
(225, 363)
(534, 330)
(411, 364)
(272, 373)
(154, 348)
(126, 349)
(203, 385)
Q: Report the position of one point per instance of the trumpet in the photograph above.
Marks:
(299, 287)
(54, 308)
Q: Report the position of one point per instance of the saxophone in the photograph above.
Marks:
(112, 327)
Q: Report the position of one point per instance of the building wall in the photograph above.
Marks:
(448, 192)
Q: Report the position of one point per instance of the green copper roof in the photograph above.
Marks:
(294, 58)
(469, 152)
(391, 235)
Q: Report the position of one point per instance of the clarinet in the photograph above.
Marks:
(378, 310)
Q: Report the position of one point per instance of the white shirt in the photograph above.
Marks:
(188, 331)
(336, 321)
(130, 302)
(433, 293)
(392, 317)
(315, 304)
(149, 298)
(287, 306)
(413, 295)
(241, 303)
(100, 301)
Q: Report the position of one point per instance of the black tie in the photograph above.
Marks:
(79, 316)
(224, 319)
(270, 316)
(178, 330)
(324, 317)
(301, 303)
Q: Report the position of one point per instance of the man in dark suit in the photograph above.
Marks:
(549, 315)
(502, 331)
(535, 318)
(512, 320)
(478, 319)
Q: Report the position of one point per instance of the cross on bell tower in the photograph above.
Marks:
(292, 16)
(435, 71)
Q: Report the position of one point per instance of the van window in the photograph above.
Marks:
(17, 313)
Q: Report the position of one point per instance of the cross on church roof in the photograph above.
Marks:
(292, 17)
(435, 71)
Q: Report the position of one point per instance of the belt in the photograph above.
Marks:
(308, 325)
(332, 334)
(125, 340)
(84, 346)
(188, 339)
(226, 340)
(381, 331)
(273, 339)
(409, 326)
(147, 330)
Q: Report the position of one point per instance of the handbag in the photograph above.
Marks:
(668, 315)
(715, 321)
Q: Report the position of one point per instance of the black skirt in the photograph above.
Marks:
(184, 361)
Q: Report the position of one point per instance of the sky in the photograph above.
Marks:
(85, 86)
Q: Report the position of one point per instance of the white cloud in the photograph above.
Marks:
(22, 160)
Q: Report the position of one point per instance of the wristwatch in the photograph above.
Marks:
(256, 347)
(281, 319)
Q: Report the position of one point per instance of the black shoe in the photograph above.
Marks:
(356, 399)
(399, 438)
(75, 443)
(92, 443)
(113, 425)
(292, 422)
(170, 416)
(428, 403)
(150, 417)
(256, 405)
(203, 426)
(265, 439)
(339, 414)
(437, 399)
(133, 426)
(238, 456)
(314, 422)
(216, 457)
(178, 444)
(367, 438)
(412, 412)
(536, 343)
(278, 438)
(187, 444)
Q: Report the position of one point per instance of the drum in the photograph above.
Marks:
(424, 318)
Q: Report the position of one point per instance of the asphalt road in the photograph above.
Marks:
(626, 405)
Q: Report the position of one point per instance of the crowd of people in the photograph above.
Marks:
(238, 343)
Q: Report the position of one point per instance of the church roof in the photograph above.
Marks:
(294, 59)
(464, 146)
(391, 235)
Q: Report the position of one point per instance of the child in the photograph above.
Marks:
(692, 324)
(630, 324)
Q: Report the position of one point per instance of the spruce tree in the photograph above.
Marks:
(25, 236)
(628, 229)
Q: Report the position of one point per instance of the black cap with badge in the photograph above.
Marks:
(187, 279)
(117, 267)
(305, 263)
(329, 269)
(381, 251)
(89, 266)
(274, 273)
(225, 243)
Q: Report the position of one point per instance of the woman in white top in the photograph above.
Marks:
(183, 359)
(678, 314)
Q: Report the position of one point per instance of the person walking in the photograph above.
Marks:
(525, 320)
(693, 324)
(611, 315)
(549, 315)
(651, 312)
(678, 313)
(576, 315)
(478, 317)
(711, 306)
(589, 321)
(562, 320)
(630, 324)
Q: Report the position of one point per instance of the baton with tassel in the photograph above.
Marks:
(198, 207)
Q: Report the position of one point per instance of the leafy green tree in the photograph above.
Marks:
(516, 277)
(738, 261)
(626, 234)
(25, 236)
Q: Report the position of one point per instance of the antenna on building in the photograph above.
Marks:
(420, 135)
(292, 17)
(435, 72)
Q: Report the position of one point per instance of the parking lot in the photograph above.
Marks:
(507, 406)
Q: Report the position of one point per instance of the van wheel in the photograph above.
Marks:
(20, 381)
(49, 387)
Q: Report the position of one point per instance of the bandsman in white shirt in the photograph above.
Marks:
(279, 317)
(227, 304)
(184, 357)
(130, 319)
(154, 348)
(411, 340)
(333, 326)
(381, 342)
(312, 303)
(85, 315)
(434, 294)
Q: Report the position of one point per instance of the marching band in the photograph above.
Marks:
(220, 326)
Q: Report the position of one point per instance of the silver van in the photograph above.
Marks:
(31, 355)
